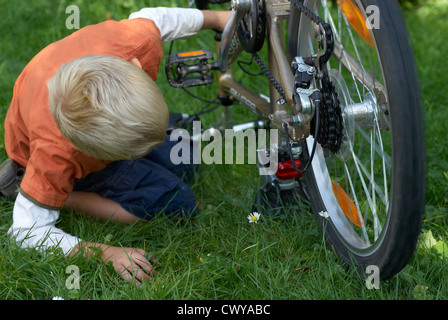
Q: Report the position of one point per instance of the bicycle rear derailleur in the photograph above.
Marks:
(306, 97)
(328, 125)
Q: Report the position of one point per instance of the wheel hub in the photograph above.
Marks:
(354, 115)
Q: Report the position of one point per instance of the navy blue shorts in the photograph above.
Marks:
(147, 186)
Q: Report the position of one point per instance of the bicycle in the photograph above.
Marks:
(344, 96)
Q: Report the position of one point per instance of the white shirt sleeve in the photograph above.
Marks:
(173, 23)
(34, 227)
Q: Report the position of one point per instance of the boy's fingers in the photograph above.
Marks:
(145, 265)
(154, 261)
(140, 274)
(138, 266)
(132, 273)
(125, 274)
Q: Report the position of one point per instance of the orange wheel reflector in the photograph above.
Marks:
(190, 53)
(356, 19)
(346, 203)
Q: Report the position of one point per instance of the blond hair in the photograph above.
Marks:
(107, 107)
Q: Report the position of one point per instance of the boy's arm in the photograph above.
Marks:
(216, 20)
(181, 23)
(34, 227)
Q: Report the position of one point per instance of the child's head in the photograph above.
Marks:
(108, 107)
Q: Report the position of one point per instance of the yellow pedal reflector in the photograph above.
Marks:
(190, 53)
(356, 20)
(346, 203)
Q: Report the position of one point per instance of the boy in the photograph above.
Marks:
(88, 124)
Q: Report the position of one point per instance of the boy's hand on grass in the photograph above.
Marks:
(129, 263)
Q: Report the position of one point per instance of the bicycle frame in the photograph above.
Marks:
(277, 110)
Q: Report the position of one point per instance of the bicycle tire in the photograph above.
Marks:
(394, 246)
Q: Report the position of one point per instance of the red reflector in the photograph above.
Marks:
(285, 170)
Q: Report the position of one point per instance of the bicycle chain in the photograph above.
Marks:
(330, 114)
(270, 76)
(331, 123)
(325, 26)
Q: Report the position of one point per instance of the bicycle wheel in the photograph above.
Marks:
(369, 196)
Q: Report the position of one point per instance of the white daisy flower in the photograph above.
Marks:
(58, 298)
(253, 217)
(324, 214)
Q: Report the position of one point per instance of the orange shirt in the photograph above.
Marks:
(32, 138)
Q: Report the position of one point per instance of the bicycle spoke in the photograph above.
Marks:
(378, 148)
(354, 45)
(366, 192)
(355, 199)
(384, 164)
(329, 18)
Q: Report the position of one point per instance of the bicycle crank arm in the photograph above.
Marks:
(239, 9)
(180, 66)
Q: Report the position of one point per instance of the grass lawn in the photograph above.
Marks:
(218, 254)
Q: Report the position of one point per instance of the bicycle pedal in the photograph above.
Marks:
(192, 68)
